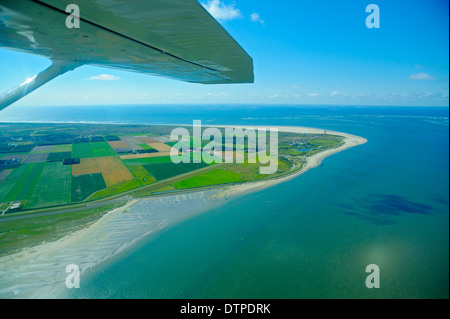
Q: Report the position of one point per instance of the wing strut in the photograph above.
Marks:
(57, 68)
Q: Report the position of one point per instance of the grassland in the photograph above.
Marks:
(325, 142)
(124, 186)
(219, 176)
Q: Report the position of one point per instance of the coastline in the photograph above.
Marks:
(26, 274)
(312, 162)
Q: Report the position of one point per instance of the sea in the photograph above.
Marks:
(384, 203)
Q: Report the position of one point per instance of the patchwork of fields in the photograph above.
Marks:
(45, 169)
(95, 169)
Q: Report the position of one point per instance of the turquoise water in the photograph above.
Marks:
(385, 203)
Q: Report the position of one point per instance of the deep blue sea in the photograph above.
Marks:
(385, 203)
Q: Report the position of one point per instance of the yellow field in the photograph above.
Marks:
(86, 166)
(160, 147)
(113, 170)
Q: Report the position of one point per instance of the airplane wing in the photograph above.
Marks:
(171, 38)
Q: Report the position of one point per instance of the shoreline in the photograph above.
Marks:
(312, 162)
(115, 232)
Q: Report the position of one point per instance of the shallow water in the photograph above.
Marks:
(385, 202)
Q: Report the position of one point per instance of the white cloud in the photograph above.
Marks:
(335, 93)
(421, 76)
(221, 11)
(313, 94)
(256, 18)
(104, 77)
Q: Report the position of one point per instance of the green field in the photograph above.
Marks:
(123, 187)
(85, 185)
(25, 148)
(62, 148)
(58, 156)
(166, 170)
(19, 183)
(145, 146)
(82, 150)
(142, 174)
(53, 186)
(325, 142)
(101, 149)
(100, 194)
(219, 176)
(148, 160)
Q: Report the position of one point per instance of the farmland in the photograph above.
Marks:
(62, 164)
(85, 185)
(102, 149)
(82, 150)
(17, 185)
(166, 170)
(219, 176)
(52, 187)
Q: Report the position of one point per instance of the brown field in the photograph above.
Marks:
(149, 140)
(86, 166)
(113, 170)
(117, 144)
(146, 155)
(160, 147)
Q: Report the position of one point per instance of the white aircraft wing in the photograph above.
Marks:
(171, 38)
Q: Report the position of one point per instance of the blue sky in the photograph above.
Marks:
(305, 52)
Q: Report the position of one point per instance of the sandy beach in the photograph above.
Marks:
(39, 272)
